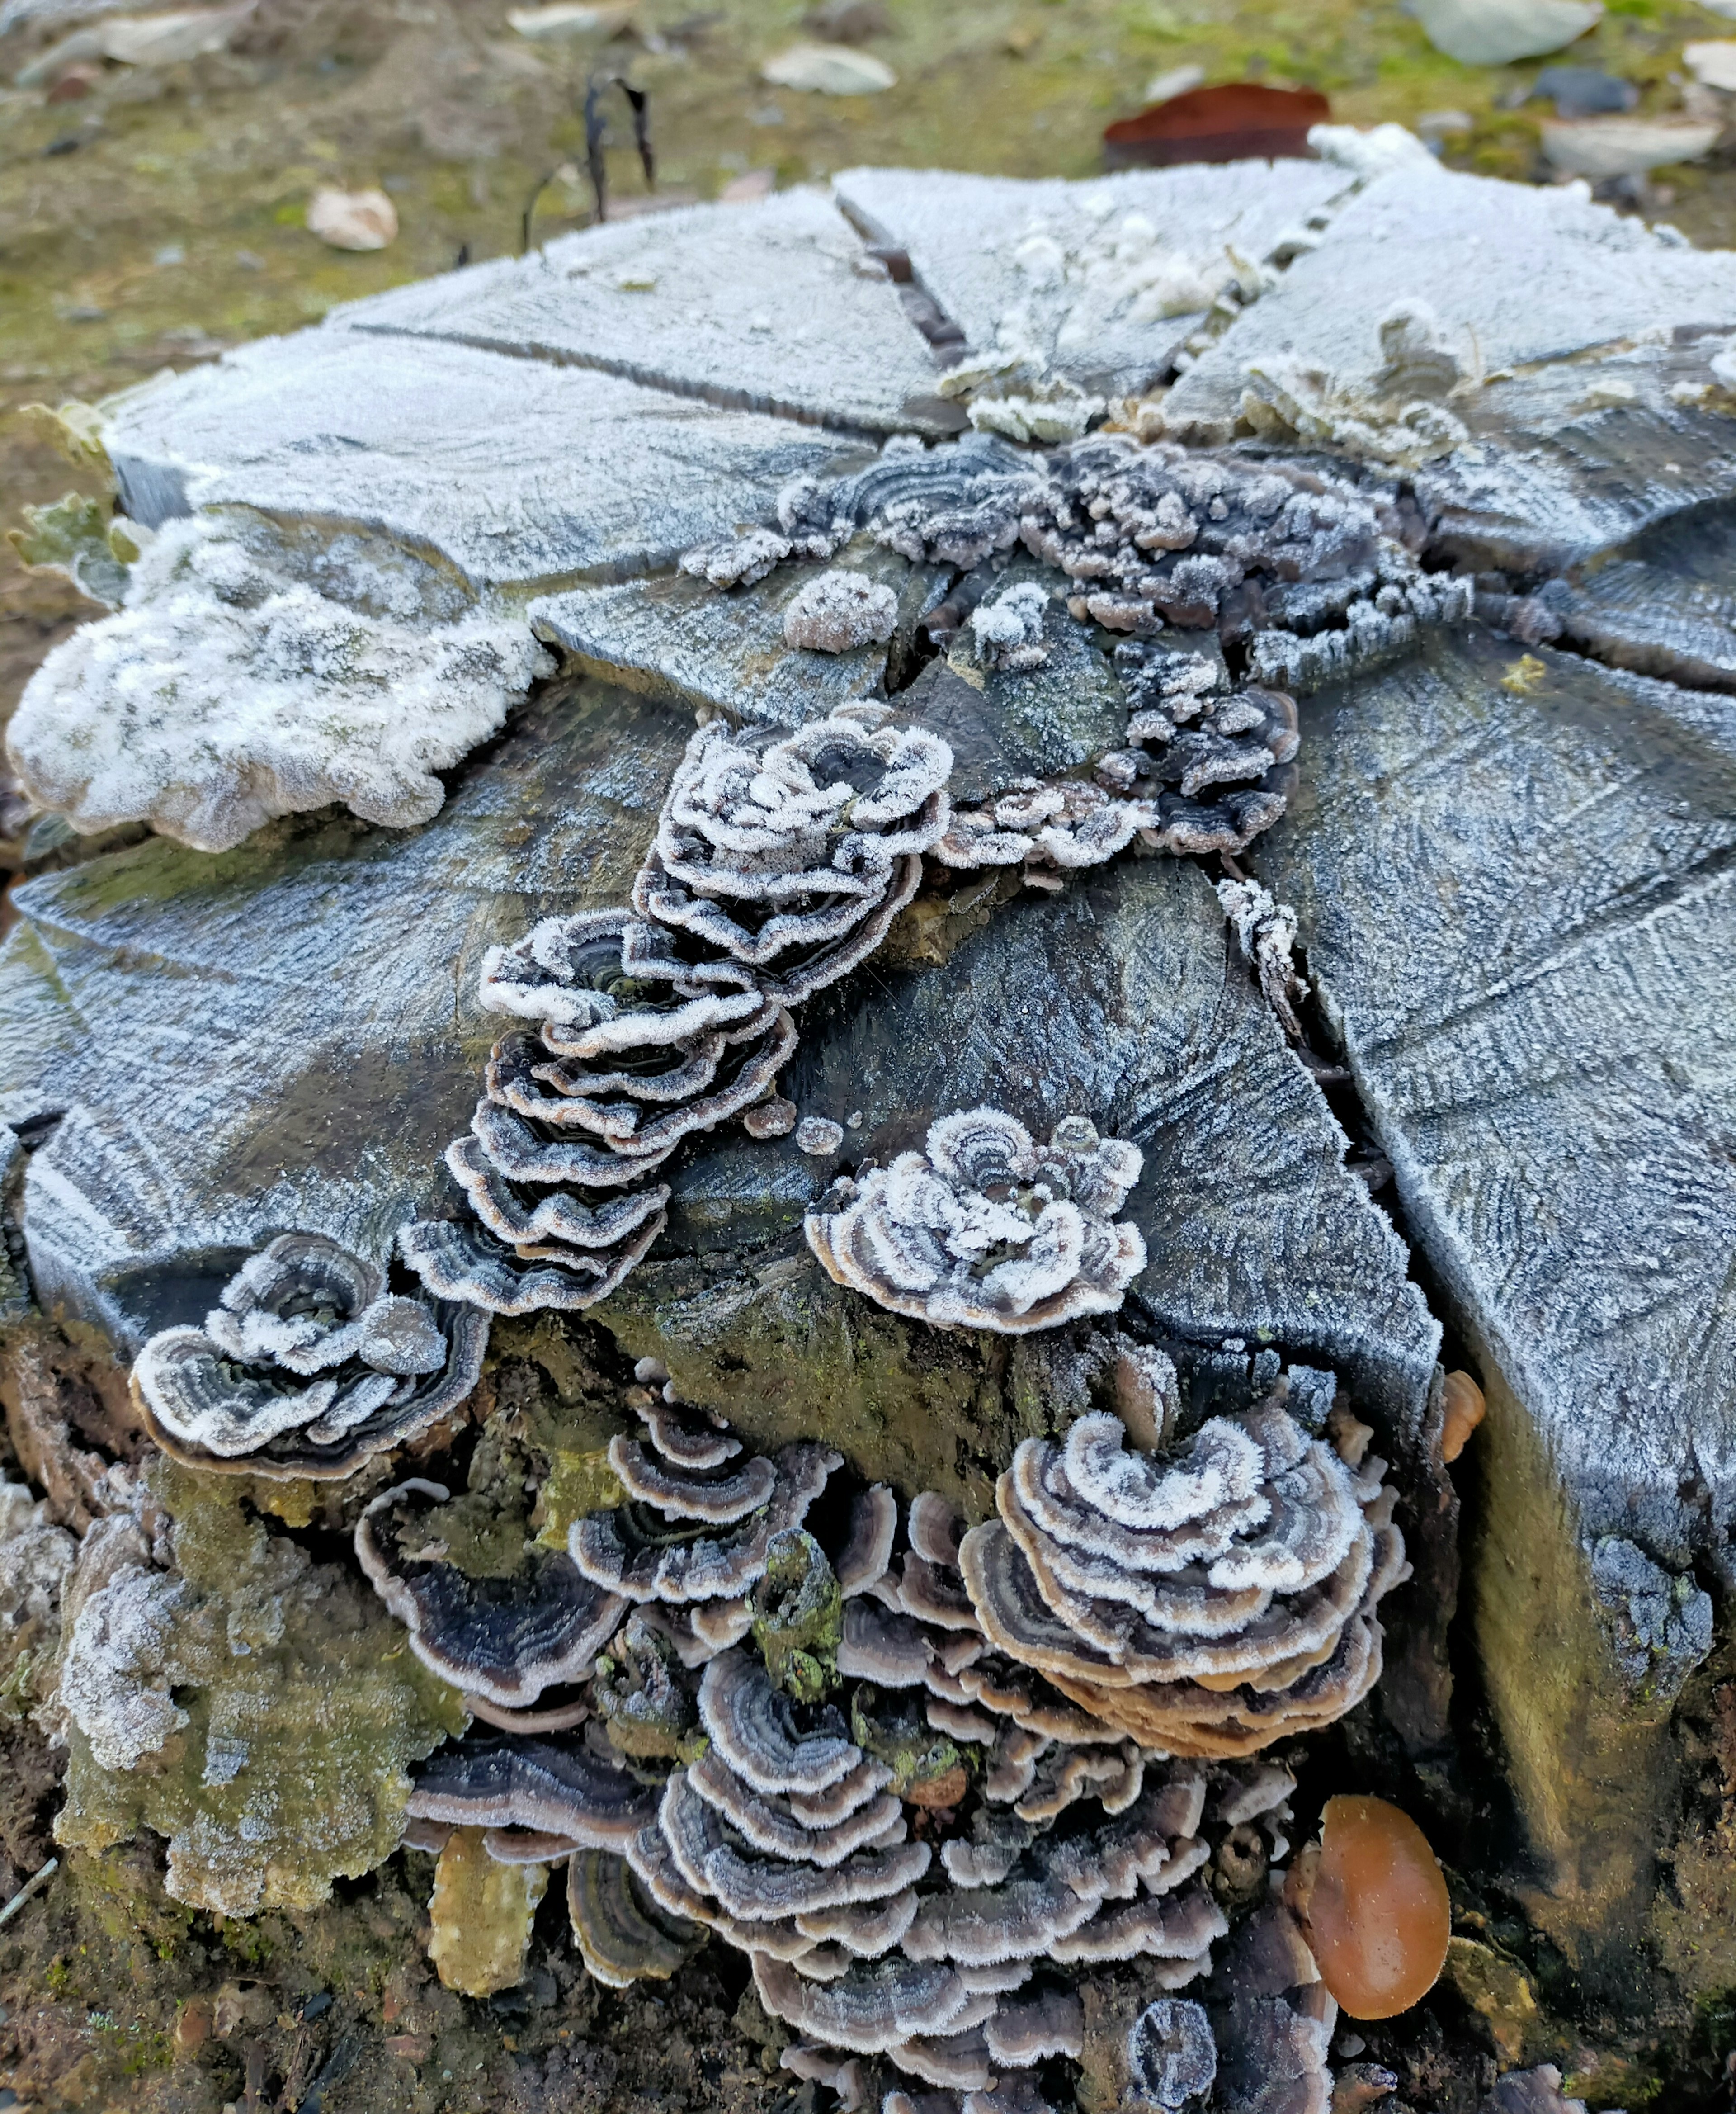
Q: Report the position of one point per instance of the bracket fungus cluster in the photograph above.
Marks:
(1207, 1604)
(985, 1228)
(306, 1366)
(1179, 553)
(777, 866)
(855, 1744)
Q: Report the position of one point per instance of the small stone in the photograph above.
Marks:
(1712, 65)
(353, 220)
(840, 610)
(775, 1118)
(828, 70)
(1588, 92)
(819, 1136)
(1496, 32)
(1443, 124)
(1597, 148)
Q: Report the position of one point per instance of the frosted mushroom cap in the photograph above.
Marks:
(1171, 2053)
(1379, 1918)
(306, 1366)
(985, 1229)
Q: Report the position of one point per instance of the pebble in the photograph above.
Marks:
(353, 220)
(1496, 32)
(828, 70)
(1585, 92)
(1599, 147)
(1712, 65)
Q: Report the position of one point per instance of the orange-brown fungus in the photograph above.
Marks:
(1378, 1921)
(1466, 1409)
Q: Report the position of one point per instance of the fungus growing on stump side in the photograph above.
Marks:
(985, 1229)
(1206, 1602)
(925, 1848)
(1374, 1906)
(503, 1639)
(697, 1527)
(622, 1935)
(307, 1366)
(1171, 2054)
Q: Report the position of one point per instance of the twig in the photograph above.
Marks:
(29, 1890)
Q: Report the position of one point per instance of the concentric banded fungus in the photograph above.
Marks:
(1204, 1604)
(1303, 575)
(307, 1367)
(560, 1788)
(1273, 2019)
(700, 1524)
(503, 1640)
(624, 1936)
(987, 1229)
(778, 866)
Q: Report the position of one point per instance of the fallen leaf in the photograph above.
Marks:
(1229, 123)
(353, 220)
(828, 70)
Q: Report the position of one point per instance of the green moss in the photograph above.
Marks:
(894, 1731)
(798, 1616)
(304, 1709)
